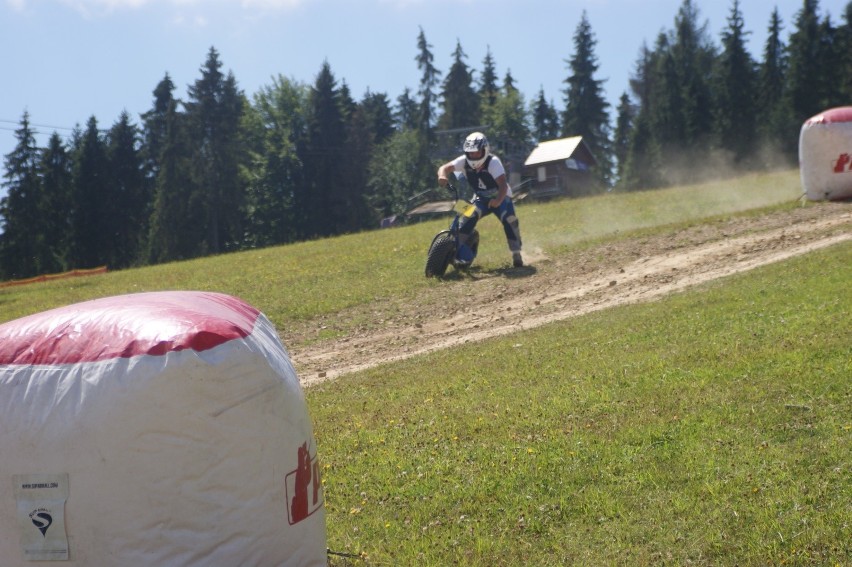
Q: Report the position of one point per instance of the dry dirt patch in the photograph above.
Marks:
(552, 289)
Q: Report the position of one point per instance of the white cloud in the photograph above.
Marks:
(271, 4)
(17, 5)
(102, 7)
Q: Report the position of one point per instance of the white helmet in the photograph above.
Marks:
(476, 149)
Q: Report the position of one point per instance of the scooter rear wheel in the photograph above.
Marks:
(440, 254)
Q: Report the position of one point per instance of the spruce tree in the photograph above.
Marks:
(92, 237)
(545, 119)
(214, 110)
(319, 200)
(641, 167)
(623, 131)
(360, 141)
(347, 104)
(56, 203)
(585, 111)
(154, 126)
(19, 208)
(488, 89)
(131, 200)
(735, 91)
(778, 139)
(831, 58)
(805, 69)
(379, 115)
(693, 56)
(430, 77)
(844, 39)
(460, 99)
(406, 115)
(175, 219)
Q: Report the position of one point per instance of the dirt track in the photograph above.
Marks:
(552, 289)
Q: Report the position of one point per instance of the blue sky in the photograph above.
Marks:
(66, 60)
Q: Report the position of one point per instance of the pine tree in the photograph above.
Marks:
(19, 208)
(642, 80)
(676, 106)
(776, 128)
(654, 73)
(831, 58)
(460, 99)
(509, 83)
(91, 238)
(130, 199)
(844, 38)
(585, 111)
(693, 57)
(360, 141)
(643, 167)
(154, 126)
(175, 219)
(214, 110)
(379, 115)
(347, 104)
(319, 201)
(623, 131)
(406, 116)
(56, 204)
(488, 89)
(545, 119)
(429, 80)
(805, 68)
(735, 91)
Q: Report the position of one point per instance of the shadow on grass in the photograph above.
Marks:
(476, 272)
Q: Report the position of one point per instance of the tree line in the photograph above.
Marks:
(221, 171)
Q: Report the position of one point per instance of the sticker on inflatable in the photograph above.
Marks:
(304, 487)
(41, 515)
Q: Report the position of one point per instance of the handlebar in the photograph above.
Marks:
(452, 188)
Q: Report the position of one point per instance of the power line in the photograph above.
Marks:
(18, 123)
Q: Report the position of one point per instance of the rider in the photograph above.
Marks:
(485, 174)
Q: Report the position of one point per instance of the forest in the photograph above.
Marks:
(220, 170)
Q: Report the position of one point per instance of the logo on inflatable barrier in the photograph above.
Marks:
(843, 164)
(41, 519)
(304, 487)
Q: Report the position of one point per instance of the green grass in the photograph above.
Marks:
(711, 428)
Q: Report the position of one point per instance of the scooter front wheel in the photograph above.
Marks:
(440, 254)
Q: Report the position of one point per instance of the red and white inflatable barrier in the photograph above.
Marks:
(155, 429)
(825, 155)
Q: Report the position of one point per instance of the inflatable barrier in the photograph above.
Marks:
(155, 429)
(825, 155)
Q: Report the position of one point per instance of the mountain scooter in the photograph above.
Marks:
(446, 248)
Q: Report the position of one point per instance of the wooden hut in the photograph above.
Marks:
(562, 167)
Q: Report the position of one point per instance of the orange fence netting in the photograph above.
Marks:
(51, 277)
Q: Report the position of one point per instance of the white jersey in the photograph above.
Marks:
(495, 169)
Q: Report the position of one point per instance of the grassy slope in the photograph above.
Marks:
(711, 427)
